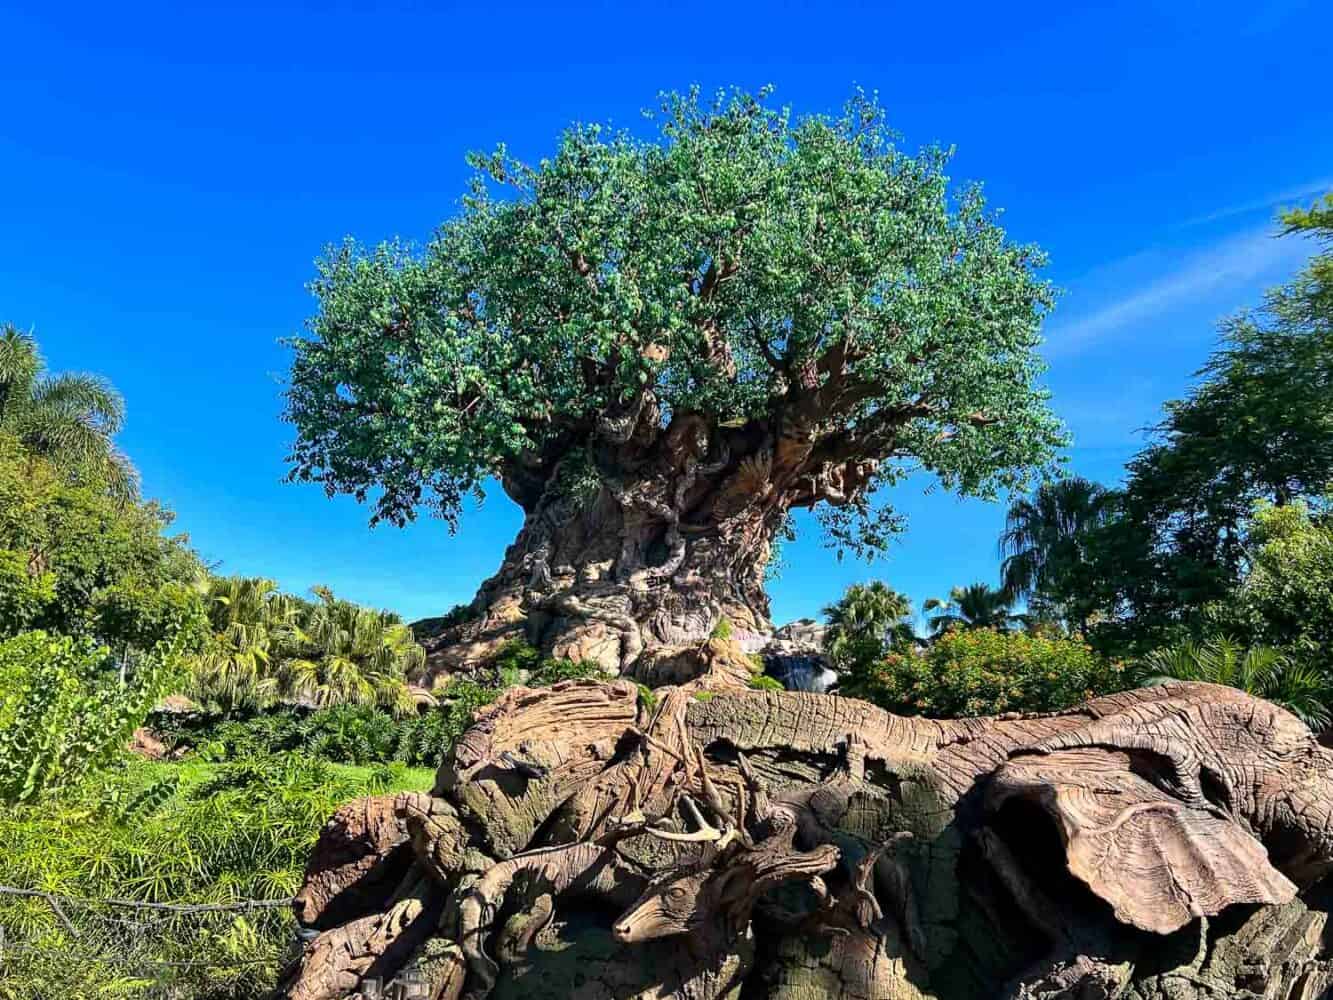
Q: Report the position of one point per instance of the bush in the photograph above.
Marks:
(65, 711)
(968, 672)
(190, 832)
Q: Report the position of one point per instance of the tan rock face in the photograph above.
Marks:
(350, 858)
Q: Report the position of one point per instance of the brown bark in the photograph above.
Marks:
(641, 532)
(724, 842)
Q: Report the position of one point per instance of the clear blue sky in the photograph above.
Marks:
(169, 173)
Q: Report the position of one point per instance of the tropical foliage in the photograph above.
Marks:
(268, 646)
(69, 418)
(1260, 670)
(192, 832)
(865, 622)
(65, 710)
(981, 671)
(1044, 548)
(978, 605)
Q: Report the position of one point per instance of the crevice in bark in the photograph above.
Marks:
(734, 842)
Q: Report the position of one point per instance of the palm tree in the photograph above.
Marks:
(870, 617)
(252, 622)
(1262, 671)
(1045, 541)
(68, 418)
(978, 605)
(348, 654)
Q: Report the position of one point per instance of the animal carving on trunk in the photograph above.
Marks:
(794, 845)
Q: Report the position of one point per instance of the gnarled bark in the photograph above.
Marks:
(731, 843)
(652, 532)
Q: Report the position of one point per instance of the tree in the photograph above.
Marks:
(78, 558)
(68, 418)
(251, 620)
(1262, 671)
(347, 654)
(1286, 596)
(661, 347)
(786, 845)
(978, 605)
(870, 616)
(1258, 426)
(1045, 549)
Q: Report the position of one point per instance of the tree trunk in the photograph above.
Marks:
(621, 569)
(722, 842)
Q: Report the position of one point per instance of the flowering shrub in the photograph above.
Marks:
(982, 672)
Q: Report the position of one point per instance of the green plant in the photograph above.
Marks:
(765, 683)
(64, 712)
(978, 605)
(722, 630)
(865, 622)
(344, 654)
(1258, 670)
(966, 672)
(69, 418)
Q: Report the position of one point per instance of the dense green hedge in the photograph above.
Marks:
(983, 671)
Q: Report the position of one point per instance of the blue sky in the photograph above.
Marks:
(168, 174)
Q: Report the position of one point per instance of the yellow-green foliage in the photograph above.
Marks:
(982, 671)
(186, 832)
(65, 710)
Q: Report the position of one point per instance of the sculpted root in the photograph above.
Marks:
(1166, 842)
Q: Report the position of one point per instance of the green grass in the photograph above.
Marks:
(191, 831)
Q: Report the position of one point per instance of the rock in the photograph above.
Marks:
(795, 656)
(356, 857)
(146, 745)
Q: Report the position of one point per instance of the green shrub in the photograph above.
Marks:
(188, 832)
(763, 682)
(64, 711)
(982, 672)
(722, 630)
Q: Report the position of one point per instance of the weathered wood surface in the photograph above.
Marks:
(1163, 843)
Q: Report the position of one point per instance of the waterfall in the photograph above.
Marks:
(800, 671)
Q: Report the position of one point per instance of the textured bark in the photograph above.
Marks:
(731, 843)
(654, 532)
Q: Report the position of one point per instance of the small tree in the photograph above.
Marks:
(1045, 549)
(978, 605)
(868, 620)
(661, 347)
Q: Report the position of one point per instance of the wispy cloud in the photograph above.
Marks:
(1234, 262)
(1278, 199)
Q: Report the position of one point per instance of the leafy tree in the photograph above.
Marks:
(69, 418)
(660, 347)
(347, 654)
(78, 559)
(1286, 597)
(978, 605)
(968, 672)
(868, 620)
(1258, 426)
(1259, 670)
(1045, 549)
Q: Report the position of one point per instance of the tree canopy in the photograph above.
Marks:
(761, 271)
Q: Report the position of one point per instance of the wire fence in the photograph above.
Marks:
(56, 945)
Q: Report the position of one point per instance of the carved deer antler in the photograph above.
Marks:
(705, 833)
